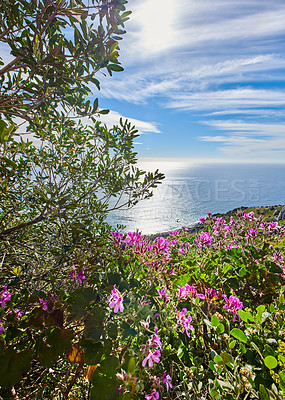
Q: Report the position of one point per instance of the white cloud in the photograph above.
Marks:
(254, 140)
(113, 118)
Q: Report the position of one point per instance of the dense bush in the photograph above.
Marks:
(182, 317)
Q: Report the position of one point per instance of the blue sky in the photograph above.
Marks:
(203, 79)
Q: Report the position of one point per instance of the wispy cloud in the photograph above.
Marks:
(144, 127)
(255, 140)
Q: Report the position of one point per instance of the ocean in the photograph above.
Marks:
(190, 191)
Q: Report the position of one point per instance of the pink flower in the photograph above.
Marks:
(116, 300)
(153, 396)
(156, 339)
(204, 239)
(151, 358)
(173, 233)
(5, 296)
(117, 238)
(233, 305)
(19, 313)
(133, 237)
(44, 303)
(166, 379)
(162, 294)
(211, 294)
(184, 320)
(77, 277)
(249, 216)
(185, 291)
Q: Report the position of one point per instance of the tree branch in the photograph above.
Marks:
(16, 228)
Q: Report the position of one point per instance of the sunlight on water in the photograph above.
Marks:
(190, 190)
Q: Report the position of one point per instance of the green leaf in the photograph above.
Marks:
(131, 365)
(104, 112)
(181, 281)
(94, 327)
(105, 384)
(263, 393)
(215, 320)
(93, 351)
(260, 310)
(115, 67)
(282, 381)
(218, 360)
(225, 384)
(80, 300)
(214, 393)
(220, 328)
(226, 357)
(239, 335)
(13, 365)
(127, 330)
(57, 342)
(245, 316)
(270, 362)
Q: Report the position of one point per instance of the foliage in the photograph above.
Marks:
(56, 188)
(180, 317)
(55, 49)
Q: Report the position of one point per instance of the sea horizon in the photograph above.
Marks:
(191, 190)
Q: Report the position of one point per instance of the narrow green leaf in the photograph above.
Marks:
(115, 67)
(282, 381)
(263, 393)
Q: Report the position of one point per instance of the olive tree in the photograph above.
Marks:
(61, 172)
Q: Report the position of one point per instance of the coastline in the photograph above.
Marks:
(266, 211)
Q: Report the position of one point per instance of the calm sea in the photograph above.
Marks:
(191, 191)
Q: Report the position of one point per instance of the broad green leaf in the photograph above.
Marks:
(94, 328)
(93, 351)
(215, 320)
(12, 365)
(270, 362)
(226, 357)
(239, 335)
(214, 393)
(260, 310)
(79, 301)
(127, 330)
(245, 316)
(219, 360)
(131, 365)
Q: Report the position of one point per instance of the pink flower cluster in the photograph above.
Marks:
(204, 239)
(116, 300)
(151, 348)
(77, 275)
(163, 296)
(166, 379)
(186, 291)
(5, 296)
(184, 320)
(233, 305)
